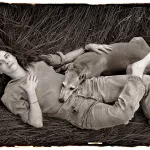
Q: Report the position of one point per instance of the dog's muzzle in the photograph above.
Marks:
(61, 100)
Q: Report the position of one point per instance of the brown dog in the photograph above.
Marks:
(92, 64)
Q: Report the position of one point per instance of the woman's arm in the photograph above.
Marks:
(35, 114)
(98, 48)
(71, 56)
(60, 59)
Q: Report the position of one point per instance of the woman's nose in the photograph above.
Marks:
(7, 62)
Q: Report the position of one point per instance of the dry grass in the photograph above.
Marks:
(27, 30)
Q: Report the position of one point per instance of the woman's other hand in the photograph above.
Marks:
(98, 48)
(31, 83)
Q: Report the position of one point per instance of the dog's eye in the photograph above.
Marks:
(63, 85)
(72, 88)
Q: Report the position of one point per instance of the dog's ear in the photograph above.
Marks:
(69, 67)
(82, 75)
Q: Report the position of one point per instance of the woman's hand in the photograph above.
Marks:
(98, 48)
(35, 114)
(31, 84)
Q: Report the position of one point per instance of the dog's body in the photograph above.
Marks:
(92, 64)
(115, 62)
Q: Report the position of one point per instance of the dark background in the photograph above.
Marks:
(41, 29)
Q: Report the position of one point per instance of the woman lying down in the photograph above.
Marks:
(34, 89)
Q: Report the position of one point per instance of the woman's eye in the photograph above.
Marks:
(7, 56)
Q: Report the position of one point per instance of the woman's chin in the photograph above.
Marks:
(14, 67)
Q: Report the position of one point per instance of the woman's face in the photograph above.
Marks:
(8, 63)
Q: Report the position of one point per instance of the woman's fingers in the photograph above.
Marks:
(98, 48)
(105, 48)
(28, 78)
(36, 80)
(97, 51)
(108, 47)
(31, 83)
(32, 78)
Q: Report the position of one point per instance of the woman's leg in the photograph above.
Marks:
(104, 115)
(145, 102)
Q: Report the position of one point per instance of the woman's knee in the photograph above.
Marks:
(124, 116)
(146, 79)
(108, 116)
(145, 103)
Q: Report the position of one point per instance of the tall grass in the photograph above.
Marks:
(27, 30)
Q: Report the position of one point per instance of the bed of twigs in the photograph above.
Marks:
(41, 29)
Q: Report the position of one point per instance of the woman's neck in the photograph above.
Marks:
(19, 73)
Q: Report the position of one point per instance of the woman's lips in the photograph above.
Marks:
(11, 65)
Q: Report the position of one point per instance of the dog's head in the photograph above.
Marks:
(72, 80)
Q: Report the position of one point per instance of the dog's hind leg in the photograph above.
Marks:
(140, 41)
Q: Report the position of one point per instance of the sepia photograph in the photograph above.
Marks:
(74, 75)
